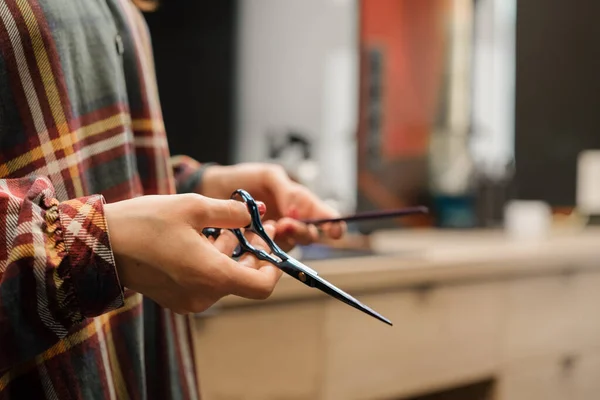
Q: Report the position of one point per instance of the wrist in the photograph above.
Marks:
(213, 181)
(201, 175)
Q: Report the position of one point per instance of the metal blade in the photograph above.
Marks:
(310, 278)
(344, 297)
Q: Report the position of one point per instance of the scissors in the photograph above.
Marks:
(282, 260)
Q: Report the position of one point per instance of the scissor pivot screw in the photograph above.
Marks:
(302, 276)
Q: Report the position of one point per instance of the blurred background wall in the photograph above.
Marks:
(195, 55)
(557, 96)
(457, 104)
(298, 73)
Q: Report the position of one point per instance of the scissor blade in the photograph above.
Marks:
(342, 296)
(292, 266)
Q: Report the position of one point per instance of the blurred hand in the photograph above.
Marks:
(287, 201)
(161, 252)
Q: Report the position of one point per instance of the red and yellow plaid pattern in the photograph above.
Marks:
(80, 125)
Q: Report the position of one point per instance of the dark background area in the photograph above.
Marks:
(557, 96)
(194, 49)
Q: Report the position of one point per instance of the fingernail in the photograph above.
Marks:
(293, 213)
(262, 208)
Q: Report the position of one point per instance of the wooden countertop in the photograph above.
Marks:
(419, 258)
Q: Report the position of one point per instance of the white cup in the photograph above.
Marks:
(527, 219)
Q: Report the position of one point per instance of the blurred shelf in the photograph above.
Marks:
(405, 259)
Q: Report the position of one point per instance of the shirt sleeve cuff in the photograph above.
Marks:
(89, 272)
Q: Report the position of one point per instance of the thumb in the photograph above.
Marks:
(226, 213)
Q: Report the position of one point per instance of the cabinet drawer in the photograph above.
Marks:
(261, 353)
(571, 376)
(541, 316)
(586, 384)
(587, 301)
(442, 337)
(540, 378)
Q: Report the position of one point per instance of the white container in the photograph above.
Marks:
(588, 182)
(527, 220)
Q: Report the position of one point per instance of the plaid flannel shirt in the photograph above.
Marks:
(80, 124)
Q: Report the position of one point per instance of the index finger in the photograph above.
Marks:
(306, 202)
(322, 210)
(315, 208)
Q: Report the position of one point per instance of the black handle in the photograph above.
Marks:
(370, 215)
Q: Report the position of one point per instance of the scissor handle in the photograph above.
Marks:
(211, 232)
(257, 227)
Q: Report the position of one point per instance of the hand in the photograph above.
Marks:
(286, 200)
(161, 252)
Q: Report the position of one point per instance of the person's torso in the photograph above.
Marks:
(78, 104)
(78, 101)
